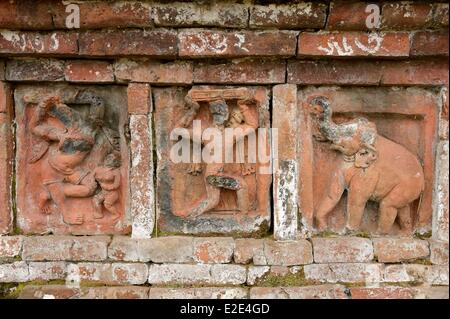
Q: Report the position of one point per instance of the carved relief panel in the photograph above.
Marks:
(201, 195)
(367, 159)
(72, 160)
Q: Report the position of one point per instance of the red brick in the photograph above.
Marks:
(26, 14)
(406, 15)
(139, 98)
(340, 72)
(213, 250)
(415, 72)
(35, 70)
(127, 292)
(184, 14)
(390, 250)
(39, 43)
(2, 70)
(53, 248)
(289, 16)
(10, 246)
(240, 71)
(344, 272)
(133, 42)
(382, 293)
(105, 14)
(354, 44)
(48, 292)
(150, 71)
(347, 16)
(45, 271)
(433, 43)
(88, 71)
(205, 43)
(342, 249)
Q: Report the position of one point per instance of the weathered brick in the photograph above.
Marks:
(254, 273)
(179, 274)
(420, 72)
(14, 272)
(440, 18)
(38, 43)
(131, 42)
(197, 43)
(240, 71)
(437, 275)
(35, 70)
(443, 114)
(127, 292)
(340, 72)
(139, 98)
(405, 273)
(303, 15)
(307, 292)
(249, 250)
(440, 216)
(115, 274)
(342, 250)
(176, 249)
(213, 250)
(184, 14)
(340, 272)
(439, 252)
(105, 14)
(382, 293)
(285, 120)
(26, 15)
(406, 15)
(10, 246)
(347, 16)
(198, 293)
(354, 44)
(391, 250)
(197, 274)
(288, 253)
(54, 248)
(83, 71)
(177, 72)
(2, 70)
(45, 271)
(432, 292)
(141, 177)
(434, 43)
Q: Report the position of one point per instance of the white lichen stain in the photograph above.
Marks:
(241, 41)
(54, 42)
(216, 43)
(343, 49)
(374, 41)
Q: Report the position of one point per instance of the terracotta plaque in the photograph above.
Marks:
(72, 159)
(367, 159)
(202, 197)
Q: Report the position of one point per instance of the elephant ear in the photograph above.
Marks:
(365, 156)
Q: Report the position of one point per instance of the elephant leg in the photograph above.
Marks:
(356, 204)
(329, 201)
(391, 205)
(405, 220)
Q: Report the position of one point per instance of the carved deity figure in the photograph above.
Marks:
(371, 167)
(108, 177)
(68, 137)
(216, 176)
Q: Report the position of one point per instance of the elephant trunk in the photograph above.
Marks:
(326, 125)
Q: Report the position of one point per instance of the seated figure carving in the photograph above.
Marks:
(371, 167)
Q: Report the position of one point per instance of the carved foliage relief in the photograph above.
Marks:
(367, 159)
(72, 160)
(219, 197)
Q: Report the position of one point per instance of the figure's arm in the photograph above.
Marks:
(38, 126)
(250, 118)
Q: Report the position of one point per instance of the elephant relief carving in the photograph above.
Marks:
(371, 168)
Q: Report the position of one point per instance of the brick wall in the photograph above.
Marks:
(286, 50)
